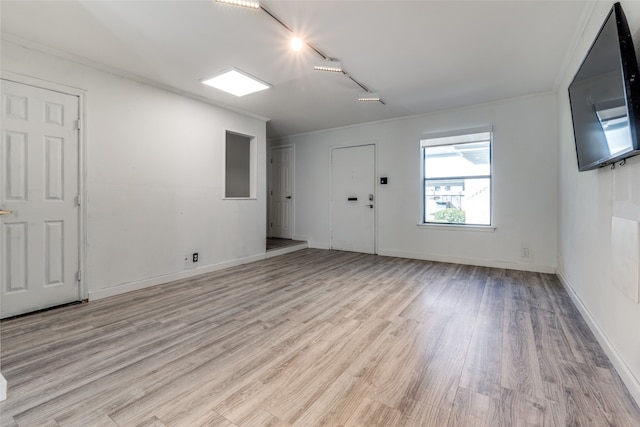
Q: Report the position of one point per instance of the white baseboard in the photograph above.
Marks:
(632, 383)
(141, 284)
(316, 245)
(3, 388)
(470, 261)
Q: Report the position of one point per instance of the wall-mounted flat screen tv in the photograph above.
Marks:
(605, 97)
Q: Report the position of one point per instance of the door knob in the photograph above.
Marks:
(3, 212)
(369, 206)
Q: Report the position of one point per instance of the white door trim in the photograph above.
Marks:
(82, 171)
(375, 188)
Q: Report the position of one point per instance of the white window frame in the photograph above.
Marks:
(253, 164)
(457, 133)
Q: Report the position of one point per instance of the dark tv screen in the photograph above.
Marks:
(605, 97)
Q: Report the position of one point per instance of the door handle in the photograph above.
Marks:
(3, 212)
(369, 206)
(288, 197)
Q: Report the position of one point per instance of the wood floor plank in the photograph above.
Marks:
(95, 419)
(474, 409)
(203, 416)
(519, 409)
(337, 404)
(435, 385)
(62, 378)
(370, 412)
(422, 303)
(287, 368)
(152, 370)
(520, 365)
(604, 384)
(317, 338)
(483, 364)
(551, 345)
(409, 344)
(263, 418)
(152, 422)
(206, 382)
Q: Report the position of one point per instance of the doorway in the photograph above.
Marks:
(353, 199)
(39, 198)
(281, 193)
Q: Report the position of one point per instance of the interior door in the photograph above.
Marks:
(39, 228)
(353, 199)
(281, 192)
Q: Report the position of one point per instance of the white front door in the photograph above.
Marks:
(353, 199)
(281, 192)
(39, 173)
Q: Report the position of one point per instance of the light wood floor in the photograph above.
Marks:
(317, 338)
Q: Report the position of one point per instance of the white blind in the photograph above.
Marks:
(456, 137)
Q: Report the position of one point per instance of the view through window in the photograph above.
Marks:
(456, 172)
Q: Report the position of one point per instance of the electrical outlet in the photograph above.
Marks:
(194, 257)
(525, 253)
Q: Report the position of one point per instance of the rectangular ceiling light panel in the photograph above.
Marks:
(236, 82)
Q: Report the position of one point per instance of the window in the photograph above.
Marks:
(240, 166)
(456, 184)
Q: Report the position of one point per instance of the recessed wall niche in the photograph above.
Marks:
(240, 166)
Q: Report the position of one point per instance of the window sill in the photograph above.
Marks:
(481, 228)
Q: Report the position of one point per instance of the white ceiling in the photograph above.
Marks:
(421, 56)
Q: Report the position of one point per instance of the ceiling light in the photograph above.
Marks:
(329, 65)
(236, 82)
(296, 43)
(254, 4)
(369, 96)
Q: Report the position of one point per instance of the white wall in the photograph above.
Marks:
(154, 178)
(524, 185)
(587, 203)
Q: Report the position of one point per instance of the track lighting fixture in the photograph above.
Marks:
(329, 65)
(297, 43)
(369, 96)
(326, 64)
(253, 4)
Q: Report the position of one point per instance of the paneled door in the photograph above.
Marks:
(281, 192)
(39, 225)
(353, 199)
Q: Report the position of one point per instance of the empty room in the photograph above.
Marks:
(319, 213)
